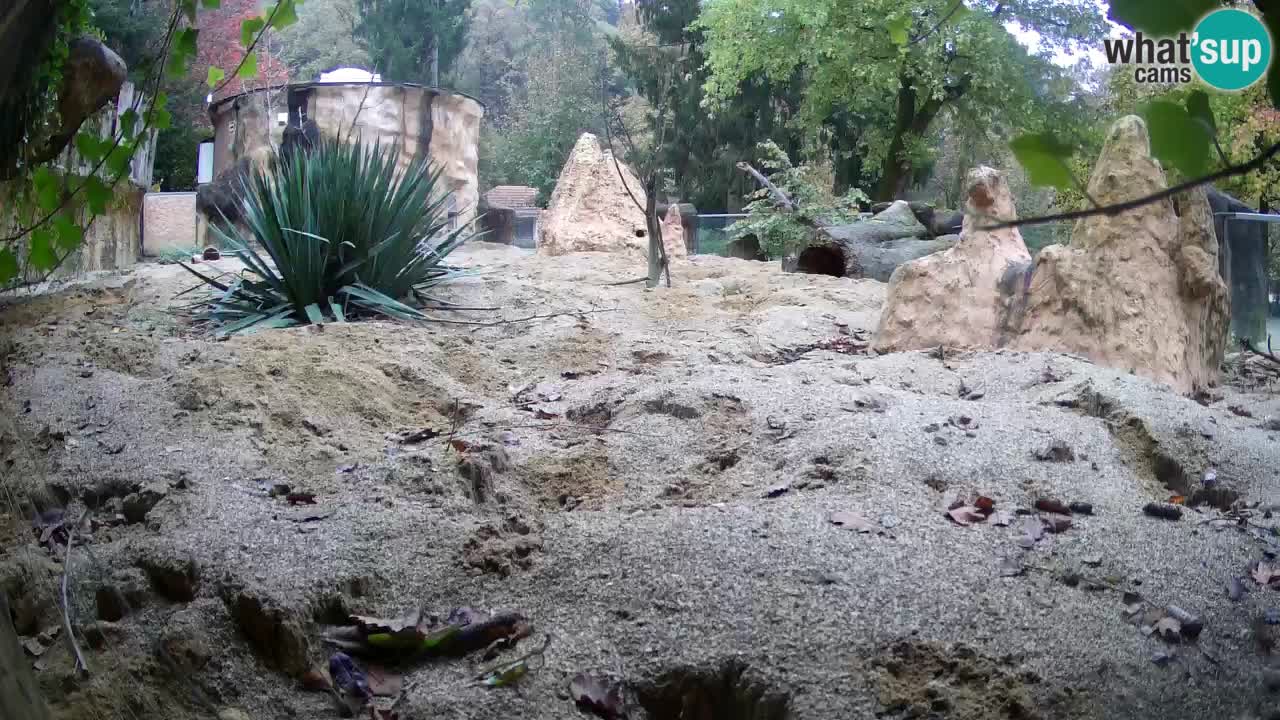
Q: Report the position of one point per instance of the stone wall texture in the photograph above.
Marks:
(169, 222)
(418, 120)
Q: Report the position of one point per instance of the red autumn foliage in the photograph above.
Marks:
(219, 44)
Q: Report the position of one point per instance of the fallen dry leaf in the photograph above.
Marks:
(985, 504)
(966, 515)
(1178, 500)
(383, 682)
(1055, 523)
(851, 521)
(461, 446)
(1262, 573)
(601, 696)
(1030, 532)
(1052, 506)
(317, 679)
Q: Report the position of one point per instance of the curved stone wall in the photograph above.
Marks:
(418, 119)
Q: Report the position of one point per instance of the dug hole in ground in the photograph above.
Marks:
(713, 494)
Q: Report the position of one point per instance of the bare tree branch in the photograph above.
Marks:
(1115, 209)
(777, 192)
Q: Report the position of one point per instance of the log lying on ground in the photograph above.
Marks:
(834, 253)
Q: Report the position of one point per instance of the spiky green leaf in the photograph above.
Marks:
(215, 76)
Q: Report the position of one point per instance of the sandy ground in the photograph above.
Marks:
(672, 458)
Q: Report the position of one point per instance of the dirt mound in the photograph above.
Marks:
(596, 206)
(649, 477)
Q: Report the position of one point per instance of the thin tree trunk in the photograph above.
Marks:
(19, 695)
(654, 230)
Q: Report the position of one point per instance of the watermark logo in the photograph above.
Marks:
(1228, 50)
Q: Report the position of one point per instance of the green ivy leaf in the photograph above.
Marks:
(1177, 140)
(46, 185)
(249, 30)
(1199, 110)
(40, 251)
(1160, 18)
(285, 14)
(97, 194)
(69, 232)
(188, 8)
(186, 42)
(211, 4)
(89, 146)
(1044, 157)
(898, 30)
(248, 68)
(184, 48)
(118, 159)
(8, 266)
(129, 122)
(159, 118)
(215, 75)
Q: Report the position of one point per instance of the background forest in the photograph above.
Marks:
(821, 80)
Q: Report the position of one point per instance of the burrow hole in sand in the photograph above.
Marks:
(720, 692)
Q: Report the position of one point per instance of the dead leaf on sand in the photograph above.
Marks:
(1263, 573)
(1030, 532)
(985, 504)
(1055, 523)
(966, 515)
(600, 696)
(851, 521)
(383, 682)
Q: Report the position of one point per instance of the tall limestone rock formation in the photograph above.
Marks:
(966, 295)
(591, 209)
(1139, 291)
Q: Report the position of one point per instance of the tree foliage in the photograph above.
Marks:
(550, 94)
(404, 38)
(893, 66)
(810, 188)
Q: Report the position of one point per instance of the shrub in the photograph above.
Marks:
(334, 234)
(781, 232)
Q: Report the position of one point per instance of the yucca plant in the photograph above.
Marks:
(334, 234)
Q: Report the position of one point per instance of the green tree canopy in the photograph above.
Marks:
(404, 38)
(894, 66)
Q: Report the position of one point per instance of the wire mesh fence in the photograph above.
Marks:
(712, 237)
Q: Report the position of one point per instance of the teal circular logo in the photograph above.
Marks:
(1231, 49)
